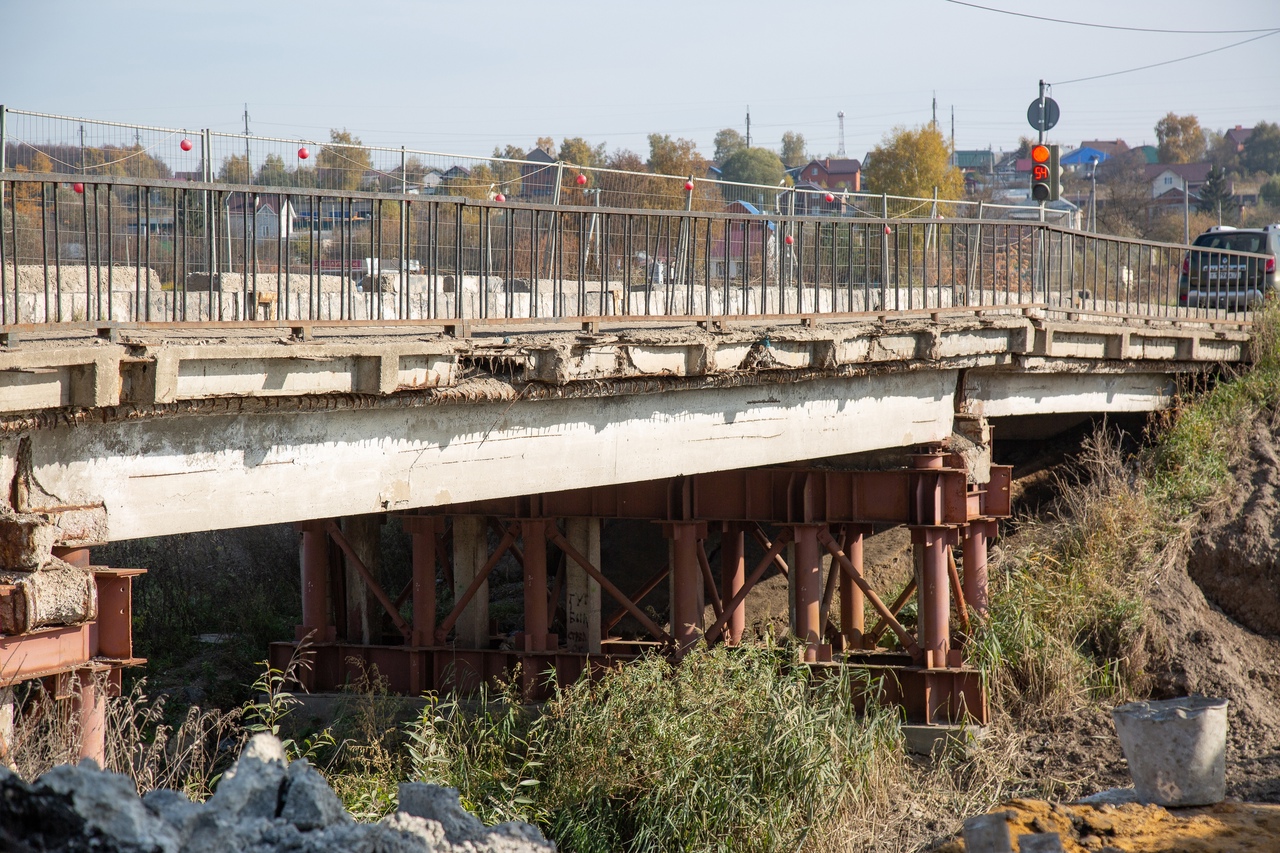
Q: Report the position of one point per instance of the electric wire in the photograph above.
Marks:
(1111, 26)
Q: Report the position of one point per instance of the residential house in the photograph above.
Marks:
(1082, 159)
(834, 174)
(977, 165)
(456, 173)
(272, 216)
(538, 174)
(810, 199)
(752, 241)
(1175, 177)
(1110, 147)
(1238, 136)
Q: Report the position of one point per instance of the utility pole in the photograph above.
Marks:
(247, 168)
(748, 125)
(935, 110)
(954, 161)
(840, 150)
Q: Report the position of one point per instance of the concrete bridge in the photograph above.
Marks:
(789, 436)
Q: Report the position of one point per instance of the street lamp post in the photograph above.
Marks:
(1093, 193)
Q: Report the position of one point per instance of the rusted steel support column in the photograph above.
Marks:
(934, 633)
(533, 532)
(364, 611)
(78, 557)
(470, 553)
(686, 582)
(975, 566)
(91, 708)
(806, 584)
(315, 584)
(733, 576)
(425, 532)
(582, 592)
(852, 611)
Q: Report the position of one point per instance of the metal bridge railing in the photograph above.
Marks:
(43, 142)
(129, 250)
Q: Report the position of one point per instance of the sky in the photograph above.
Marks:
(463, 77)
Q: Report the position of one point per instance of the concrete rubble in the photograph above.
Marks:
(263, 804)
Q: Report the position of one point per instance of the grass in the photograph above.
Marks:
(1069, 621)
(732, 749)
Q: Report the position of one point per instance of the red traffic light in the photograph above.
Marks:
(1039, 172)
(1039, 153)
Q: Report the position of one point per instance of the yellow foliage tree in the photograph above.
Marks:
(911, 162)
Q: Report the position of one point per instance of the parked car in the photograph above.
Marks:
(1214, 276)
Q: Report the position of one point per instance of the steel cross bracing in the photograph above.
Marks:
(813, 513)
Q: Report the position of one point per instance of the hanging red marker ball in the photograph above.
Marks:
(582, 180)
(303, 153)
(830, 198)
(688, 185)
(78, 187)
(790, 239)
(888, 230)
(499, 197)
(185, 145)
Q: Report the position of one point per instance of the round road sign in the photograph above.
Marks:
(1046, 119)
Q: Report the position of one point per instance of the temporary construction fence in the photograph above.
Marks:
(129, 250)
(43, 142)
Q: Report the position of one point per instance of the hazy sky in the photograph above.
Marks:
(464, 77)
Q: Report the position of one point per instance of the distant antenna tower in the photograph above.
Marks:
(840, 150)
(748, 125)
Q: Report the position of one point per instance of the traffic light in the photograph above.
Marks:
(1041, 190)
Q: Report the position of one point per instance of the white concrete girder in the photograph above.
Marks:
(180, 474)
(997, 394)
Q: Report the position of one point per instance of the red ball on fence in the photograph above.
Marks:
(688, 185)
(790, 240)
(303, 153)
(830, 198)
(582, 180)
(185, 145)
(78, 187)
(499, 197)
(888, 230)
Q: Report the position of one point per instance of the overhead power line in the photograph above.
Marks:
(1166, 62)
(1267, 30)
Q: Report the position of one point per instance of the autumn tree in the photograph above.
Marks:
(507, 174)
(342, 163)
(1124, 194)
(728, 141)
(1180, 139)
(272, 173)
(754, 166)
(579, 152)
(547, 144)
(1269, 192)
(912, 162)
(1222, 152)
(793, 150)
(669, 156)
(234, 170)
(1262, 149)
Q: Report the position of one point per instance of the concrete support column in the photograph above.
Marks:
(582, 592)
(975, 567)
(852, 611)
(806, 583)
(6, 728)
(686, 582)
(424, 531)
(314, 562)
(533, 532)
(91, 708)
(733, 575)
(934, 594)
(470, 553)
(364, 611)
